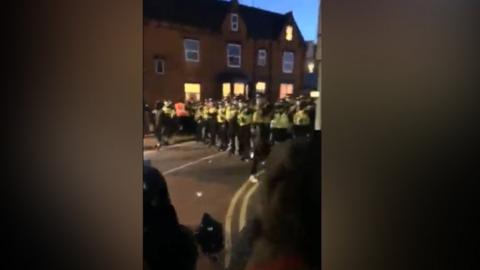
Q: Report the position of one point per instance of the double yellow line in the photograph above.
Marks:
(252, 187)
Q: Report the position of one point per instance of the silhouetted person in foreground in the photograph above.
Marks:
(166, 243)
(286, 233)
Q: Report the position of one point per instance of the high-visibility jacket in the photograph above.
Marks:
(212, 111)
(260, 118)
(244, 117)
(169, 112)
(205, 113)
(221, 115)
(301, 118)
(198, 114)
(230, 113)
(280, 120)
(180, 109)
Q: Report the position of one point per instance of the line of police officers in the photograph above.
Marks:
(246, 128)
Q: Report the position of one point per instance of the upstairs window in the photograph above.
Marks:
(192, 50)
(159, 65)
(289, 33)
(234, 55)
(234, 22)
(311, 67)
(262, 57)
(288, 62)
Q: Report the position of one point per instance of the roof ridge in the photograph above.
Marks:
(264, 10)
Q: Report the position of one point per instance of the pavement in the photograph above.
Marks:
(202, 180)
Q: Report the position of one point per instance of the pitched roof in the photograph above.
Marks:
(209, 14)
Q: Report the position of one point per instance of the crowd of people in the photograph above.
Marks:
(242, 127)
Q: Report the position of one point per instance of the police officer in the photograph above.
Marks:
(301, 120)
(158, 121)
(205, 117)
(280, 123)
(168, 116)
(212, 122)
(222, 126)
(232, 123)
(244, 120)
(261, 131)
(198, 117)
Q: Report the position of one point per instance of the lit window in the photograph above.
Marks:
(234, 55)
(226, 89)
(260, 87)
(289, 33)
(314, 94)
(238, 89)
(234, 22)
(311, 67)
(159, 65)
(262, 57)
(192, 50)
(286, 89)
(192, 91)
(288, 62)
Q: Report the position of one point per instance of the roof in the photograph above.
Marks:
(209, 15)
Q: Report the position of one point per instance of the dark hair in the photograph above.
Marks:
(290, 217)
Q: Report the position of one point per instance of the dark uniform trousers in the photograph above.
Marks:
(279, 134)
(222, 135)
(300, 131)
(168, 129)
(199, 130)
(212, 128)
(244, 141)
(261, 145)
(232, 134)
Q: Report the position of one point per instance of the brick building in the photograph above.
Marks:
(212, 48)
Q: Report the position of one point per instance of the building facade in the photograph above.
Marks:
(198, 49)
(310, 83)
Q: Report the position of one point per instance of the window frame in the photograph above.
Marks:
(239, 56)
(234, 26)
(284, 62)
(264, 57)
(156, 61)
(186, 50)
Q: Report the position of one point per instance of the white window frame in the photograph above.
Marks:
(286, 64)
(262, 60)
(186, 51)
(159, 61)
(239, 56)
(234, 23)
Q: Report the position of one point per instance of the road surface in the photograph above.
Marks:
(202, 180)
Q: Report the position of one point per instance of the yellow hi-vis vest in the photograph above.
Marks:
(280, 121)
(205, 113)
(221, 115)
(169, 112)
(230, 113)
(198, 114)
(244, 118)
(260, 118)
(301, 118)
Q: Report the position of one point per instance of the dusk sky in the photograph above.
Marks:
(304, 11)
